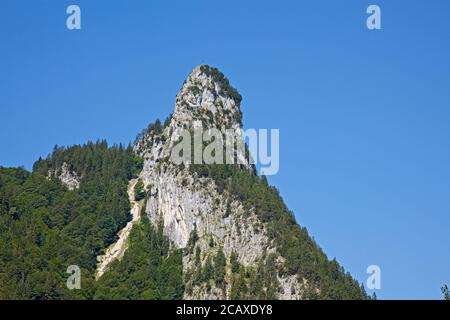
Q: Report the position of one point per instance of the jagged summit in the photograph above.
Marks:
(207, 98)
(216, 80)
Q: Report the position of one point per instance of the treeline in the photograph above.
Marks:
(101, 206)
(44, 227)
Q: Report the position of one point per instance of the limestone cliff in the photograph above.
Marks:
(68, 177)
(193, 213)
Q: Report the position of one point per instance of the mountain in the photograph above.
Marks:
(141, 226)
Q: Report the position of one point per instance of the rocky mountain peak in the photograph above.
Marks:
(207, 98)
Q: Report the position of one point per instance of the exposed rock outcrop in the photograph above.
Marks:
(193, 213)
(67, 176)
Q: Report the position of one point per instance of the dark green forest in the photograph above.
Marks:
(44, 228)
(150, 269)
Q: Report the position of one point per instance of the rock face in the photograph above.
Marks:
(206, 97)
(193, 213)
(67, 177)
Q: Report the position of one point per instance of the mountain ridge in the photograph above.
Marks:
(206, 231)
(218, 216)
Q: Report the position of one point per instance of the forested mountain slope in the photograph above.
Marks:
(205, 231)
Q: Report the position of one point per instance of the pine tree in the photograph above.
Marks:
(139, 191)
(220, 263)
(445, 292)
(234, 262)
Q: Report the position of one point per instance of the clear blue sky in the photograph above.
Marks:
(364, 116)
